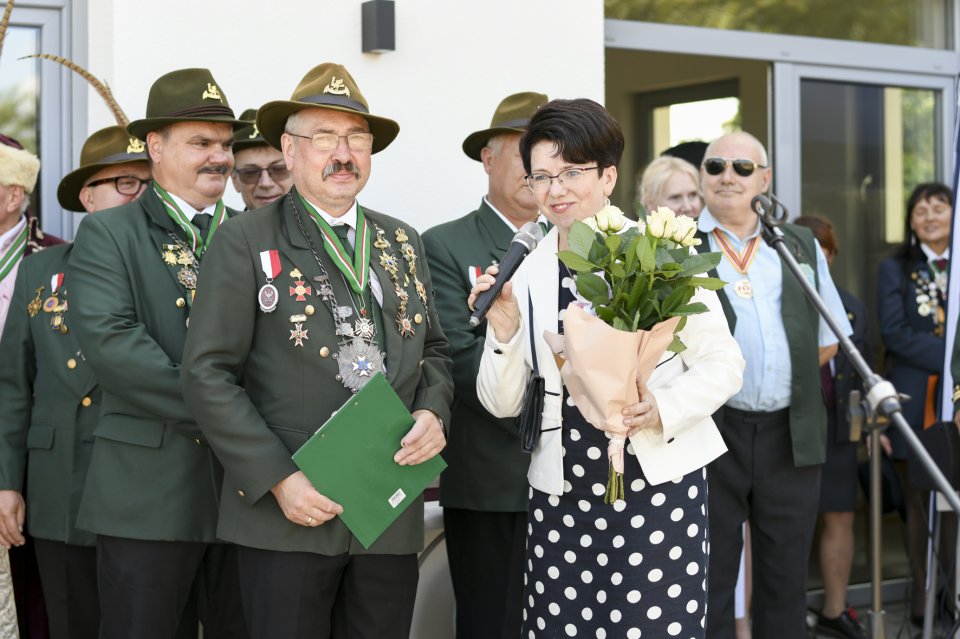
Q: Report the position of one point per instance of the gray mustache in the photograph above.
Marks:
(337, 166)
(217, 170)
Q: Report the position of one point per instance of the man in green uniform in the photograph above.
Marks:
(266, 364)
(152, 488)
(484, 489)
(51, 399)
(260, 175)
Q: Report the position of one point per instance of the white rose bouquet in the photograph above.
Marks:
(639, 280)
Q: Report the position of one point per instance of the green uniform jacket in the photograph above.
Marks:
(50, 401)
(152, 475)
(258, 396)
(486, 470)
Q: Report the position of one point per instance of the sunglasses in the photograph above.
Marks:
(743, 168)
(251, 175)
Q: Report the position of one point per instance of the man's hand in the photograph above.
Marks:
(13, 512)
(885, 444)
(827, 353)
(302, 504)
(424, 441)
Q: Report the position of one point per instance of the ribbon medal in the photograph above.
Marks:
(269, 295)
(740, 261)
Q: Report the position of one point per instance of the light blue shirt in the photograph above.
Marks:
(759, 330)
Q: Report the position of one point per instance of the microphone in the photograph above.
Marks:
(523, 242)
(766, 206)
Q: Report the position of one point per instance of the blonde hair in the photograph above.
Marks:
(650, 188)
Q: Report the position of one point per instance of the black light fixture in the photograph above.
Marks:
(379, 26)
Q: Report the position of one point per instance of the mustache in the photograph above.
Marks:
(215, 169)
(336, 166)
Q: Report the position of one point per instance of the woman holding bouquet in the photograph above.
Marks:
(637, 565)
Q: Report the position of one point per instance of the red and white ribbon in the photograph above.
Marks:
(270, 263)
(56, 281)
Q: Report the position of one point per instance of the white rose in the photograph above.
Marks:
(662, 223)
(610, 218)
(591, 222)
(686, 228)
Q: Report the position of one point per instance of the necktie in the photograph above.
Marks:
(342, 231)
(941, 264)
(202, 222)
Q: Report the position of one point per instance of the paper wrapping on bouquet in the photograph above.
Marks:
(603, 365)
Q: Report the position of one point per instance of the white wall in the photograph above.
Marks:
(455, 60)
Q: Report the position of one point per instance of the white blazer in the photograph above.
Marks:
(688, 387)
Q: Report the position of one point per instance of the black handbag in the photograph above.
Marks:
(530, 418)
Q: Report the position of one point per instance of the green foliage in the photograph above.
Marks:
(635, 280)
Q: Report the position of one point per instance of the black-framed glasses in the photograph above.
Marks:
(357, 141)
(540, 182)
(125, 184)
(743, 168)
(251, 174)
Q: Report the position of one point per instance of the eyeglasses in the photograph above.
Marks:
(251, 174)
(540, 182)
(329, 141)
(125, 184)
(743, 168)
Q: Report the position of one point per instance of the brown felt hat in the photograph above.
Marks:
(186, 95)
(327, 86)
(106, 147)
(512, 116)
(249, 136)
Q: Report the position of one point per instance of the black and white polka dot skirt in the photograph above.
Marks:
(636, 568)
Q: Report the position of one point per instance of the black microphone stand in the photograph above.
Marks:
(882, 400)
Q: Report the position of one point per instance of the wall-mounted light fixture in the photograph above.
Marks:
(379, 26)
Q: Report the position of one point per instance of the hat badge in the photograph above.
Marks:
(337, 87)
(135, 146)
(212, 93)
(255, 133)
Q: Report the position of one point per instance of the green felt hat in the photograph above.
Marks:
(107, 147)
(512, 116)
(249, 136)
(186, 95)
(327, 86)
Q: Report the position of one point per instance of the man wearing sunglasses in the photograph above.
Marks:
(260, 174)
(775, 427)
(51, 399)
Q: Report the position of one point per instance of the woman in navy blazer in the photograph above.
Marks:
(911, 290)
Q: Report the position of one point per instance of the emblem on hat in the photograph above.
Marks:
(255, 133)
(135, 146)
(211, 93)
(337, 87)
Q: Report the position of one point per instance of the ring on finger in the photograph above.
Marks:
(309, 520)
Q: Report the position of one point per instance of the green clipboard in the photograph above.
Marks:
(350, 460)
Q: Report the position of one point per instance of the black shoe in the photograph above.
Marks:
(843, 626)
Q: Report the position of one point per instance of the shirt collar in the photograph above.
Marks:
(707, 223)
(931, 256)
(349, 218)
(188, 210)
(7, 238)
(541, 219)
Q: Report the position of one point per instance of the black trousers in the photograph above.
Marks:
(756, 480)
(68, 574)
(145, 587)
(485, 551)
(300, 595)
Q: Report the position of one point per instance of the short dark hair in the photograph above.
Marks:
(822, 230)
(583, 131)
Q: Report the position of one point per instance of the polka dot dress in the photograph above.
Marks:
(635, 568)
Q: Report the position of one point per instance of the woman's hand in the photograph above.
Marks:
(643, 414)
(504, 315)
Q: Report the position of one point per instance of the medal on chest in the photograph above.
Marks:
(268, 295)
(740, 260)
(54, 305)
